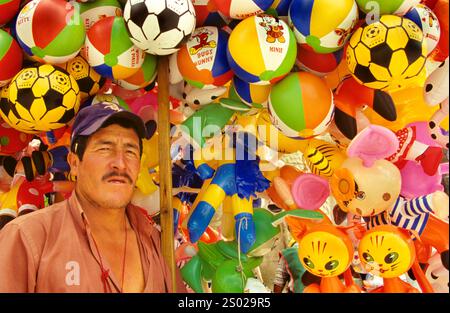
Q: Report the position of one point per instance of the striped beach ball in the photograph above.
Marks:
(143, 77)
(241, 9)
(319, 64)
(206, 14)
(202, 61)
(50, 30)
(92, 12)
(10, 58)
(324, 25)
(8, 9)
(301, 105)
(428, 23)
(382, 7)
(250, 93)
(261, 50)
(109, 50)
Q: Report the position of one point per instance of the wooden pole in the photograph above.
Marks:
(165, 167)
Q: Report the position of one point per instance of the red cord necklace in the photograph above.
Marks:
(105, 272)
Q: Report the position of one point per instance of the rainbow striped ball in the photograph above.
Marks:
(241, 9)
(143, 77)
(319, 64)
(383, 7)
(261, 50)
(109, 50)
(250, 93)
(10, 58)
(301, 105)
(50, 30)
(202, 61)
(206, 15)
(92, 12)
(325, 25)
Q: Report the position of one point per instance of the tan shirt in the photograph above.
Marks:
(52, 250)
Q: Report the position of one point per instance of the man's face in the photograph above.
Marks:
(107, 174)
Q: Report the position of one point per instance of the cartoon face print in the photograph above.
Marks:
(386, 253)
(324, 254)
(366, 191)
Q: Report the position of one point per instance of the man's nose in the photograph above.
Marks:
(118, 161)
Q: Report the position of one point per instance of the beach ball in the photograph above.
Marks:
(241, 9)
(388, 54)
(8, 9)
(143, 77)
(160, 27)
(202, 61)
(109, 50)
(92, 12)
(88, 80)
(50, 30)
(319, 64)
(261, 50)
(10, 58)
(324, 25)
(250, 94)
(206, 14)
(382, 7)
(428, 23)
(301, 105)
(41, 99)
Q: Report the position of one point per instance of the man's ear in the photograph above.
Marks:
(74, 163)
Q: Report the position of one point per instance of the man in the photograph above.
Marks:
(95, 241)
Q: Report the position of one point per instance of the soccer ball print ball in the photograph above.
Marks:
(160, 27)
(41, 99)
(388, 54)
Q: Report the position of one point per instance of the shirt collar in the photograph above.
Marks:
(138, 217)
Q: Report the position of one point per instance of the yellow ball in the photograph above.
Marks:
(388, 54)
(41, 99)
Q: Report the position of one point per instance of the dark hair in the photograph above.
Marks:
(79, 144)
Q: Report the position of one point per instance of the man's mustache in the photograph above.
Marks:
(117, 174)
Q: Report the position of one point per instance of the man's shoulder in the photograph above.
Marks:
(143, 218)
(40, 218)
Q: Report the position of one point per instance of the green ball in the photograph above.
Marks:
(382, 7)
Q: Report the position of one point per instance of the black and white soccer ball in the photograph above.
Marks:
(159, 27)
